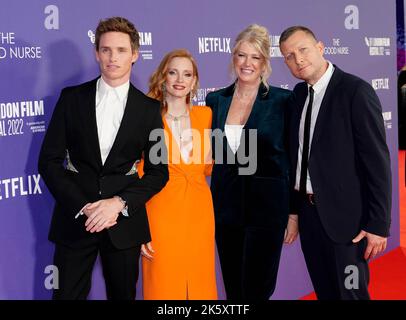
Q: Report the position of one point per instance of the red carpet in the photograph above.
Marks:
(388, 277)
(388, 272)
(402, 198)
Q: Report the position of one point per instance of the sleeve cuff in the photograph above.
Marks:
(123, 211)
(81, 213)
(380, 228)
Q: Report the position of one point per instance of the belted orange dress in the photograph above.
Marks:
(181, 220)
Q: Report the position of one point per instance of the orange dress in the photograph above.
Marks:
(181, 220)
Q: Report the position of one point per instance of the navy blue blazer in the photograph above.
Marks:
(349, 162)
(260, 199)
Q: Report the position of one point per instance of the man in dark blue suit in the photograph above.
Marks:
(340, 169)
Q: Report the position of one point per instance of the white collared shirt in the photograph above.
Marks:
(110, 105)
(319, 90)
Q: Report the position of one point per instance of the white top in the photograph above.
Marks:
(319, 90)
(233, 134)
(181, 130)
(110, 105)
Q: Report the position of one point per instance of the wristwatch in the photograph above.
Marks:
(124, 211)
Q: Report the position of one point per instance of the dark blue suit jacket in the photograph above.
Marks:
(260, 199)
(349, 161)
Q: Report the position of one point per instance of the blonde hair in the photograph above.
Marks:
(258, 37)
(158, 78)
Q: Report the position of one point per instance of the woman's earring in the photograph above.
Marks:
(191, 96)
(163, 88)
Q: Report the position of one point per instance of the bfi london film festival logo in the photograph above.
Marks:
(17, 116)
(199, 98)
(274, 48)
(387, 118)
(145, 43)
(378, 46)
(214, 45)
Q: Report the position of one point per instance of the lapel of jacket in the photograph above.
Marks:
(326, 106)
(131, 118)
(224, 106)
(89, 101)
(255, 115)
(252, 121)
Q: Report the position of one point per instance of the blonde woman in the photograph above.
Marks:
(251, 210)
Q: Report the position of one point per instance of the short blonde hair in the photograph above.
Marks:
(258, 37)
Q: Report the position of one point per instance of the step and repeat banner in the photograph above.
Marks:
(47, 45)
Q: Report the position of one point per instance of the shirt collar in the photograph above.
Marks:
(324, 80)
(121, 91)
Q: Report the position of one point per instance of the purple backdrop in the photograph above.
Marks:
(45, 46)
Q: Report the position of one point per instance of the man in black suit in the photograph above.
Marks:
(340, 169)
(101, 129)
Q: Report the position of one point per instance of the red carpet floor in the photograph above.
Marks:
(402, 197)
(388, 272)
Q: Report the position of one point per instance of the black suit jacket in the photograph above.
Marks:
(73, 129)
(260, 199)
(349, 162)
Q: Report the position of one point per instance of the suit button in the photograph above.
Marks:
(100, 192)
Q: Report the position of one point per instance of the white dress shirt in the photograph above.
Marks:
(319, 90)
(110, 105)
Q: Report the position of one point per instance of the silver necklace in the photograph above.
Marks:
(246, 104)
(177, 117)
(177, 123)
(243, 97)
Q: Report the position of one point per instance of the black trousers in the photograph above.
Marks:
(249, 259)
(75, 266)
(337, 271)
